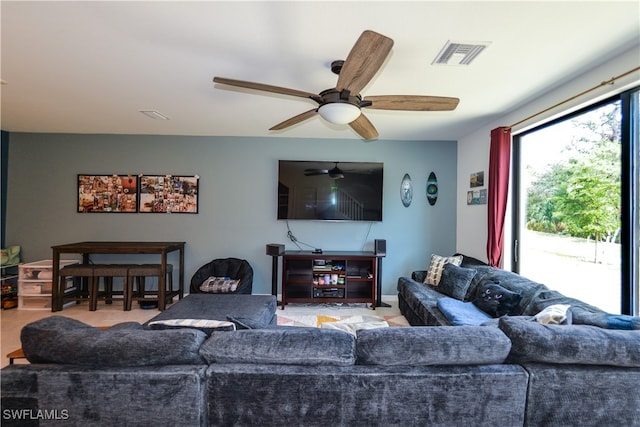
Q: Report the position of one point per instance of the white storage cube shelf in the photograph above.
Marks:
(35, 282)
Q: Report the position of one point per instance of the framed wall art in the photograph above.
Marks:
(168, 194)
(476, 179)
(406, 190)
(107, 193)
(477, 197)
(432, 189)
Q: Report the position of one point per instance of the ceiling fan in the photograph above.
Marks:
(335, 172)
(343, 104)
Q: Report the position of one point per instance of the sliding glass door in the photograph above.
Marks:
(575, 220)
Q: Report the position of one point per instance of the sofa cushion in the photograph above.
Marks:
(58, 339)
(427, 345)
(581, 312)
(436, 266)
(570, 344)
(496, 300)
(461, 313)
(455, 281)
(283, 346)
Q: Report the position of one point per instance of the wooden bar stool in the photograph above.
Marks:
(137, 275)
(77, 272)
(108, 272)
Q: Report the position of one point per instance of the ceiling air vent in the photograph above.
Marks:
(459, 53)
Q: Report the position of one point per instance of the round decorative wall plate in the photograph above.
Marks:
(406, 190)
(432, 189)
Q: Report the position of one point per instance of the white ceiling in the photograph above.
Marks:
(90, 67)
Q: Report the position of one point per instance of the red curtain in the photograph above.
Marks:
(499, 163)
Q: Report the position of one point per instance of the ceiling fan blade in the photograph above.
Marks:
(314, 172)
(412, 103)
(364, 61)
(364, 127)
(267, 88)
(295, 119)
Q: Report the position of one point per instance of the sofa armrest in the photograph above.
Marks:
(419, 303)
(419, 275)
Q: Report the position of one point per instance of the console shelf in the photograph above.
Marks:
(343, 277)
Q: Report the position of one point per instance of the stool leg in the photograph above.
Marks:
(61, 290)
(170, 284)
(141, 286)
(127, 290)
(108, 290)
(128, 293)
(93, 293)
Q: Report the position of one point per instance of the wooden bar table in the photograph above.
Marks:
(88, 248)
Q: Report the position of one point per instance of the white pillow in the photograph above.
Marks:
(555, 314)
(436, 266)
(219, 285)
(202, 324)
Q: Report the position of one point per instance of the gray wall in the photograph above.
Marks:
(237, 210)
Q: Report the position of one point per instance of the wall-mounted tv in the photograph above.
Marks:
(330, 190)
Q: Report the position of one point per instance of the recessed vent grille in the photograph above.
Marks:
(459, 53)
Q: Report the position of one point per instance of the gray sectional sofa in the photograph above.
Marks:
(419, 302)
(584, 372)
(275, 376)
(513, 372)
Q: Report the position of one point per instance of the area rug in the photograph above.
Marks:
(316, 320)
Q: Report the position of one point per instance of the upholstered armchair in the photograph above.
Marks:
(231, 268)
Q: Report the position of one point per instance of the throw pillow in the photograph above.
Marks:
(219, 285)
(462, 313)
(496, 300)
(556, 314)
(436, 265)
(205, 325)
(455, 281)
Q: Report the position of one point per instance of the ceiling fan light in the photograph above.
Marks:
(339, 113)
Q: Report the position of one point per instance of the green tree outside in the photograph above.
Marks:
(581, 197)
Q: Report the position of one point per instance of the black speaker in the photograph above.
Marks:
(380, 247)
(275, 249)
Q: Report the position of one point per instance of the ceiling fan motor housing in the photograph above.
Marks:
(333, 95)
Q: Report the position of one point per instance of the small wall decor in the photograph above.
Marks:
(476, 179)
(168, 194)
(107, 193)
(432, 189)
(477, 197)
(406, 190)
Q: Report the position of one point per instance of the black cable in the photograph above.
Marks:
(295, 240)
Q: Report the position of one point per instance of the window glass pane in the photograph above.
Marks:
(570, 207)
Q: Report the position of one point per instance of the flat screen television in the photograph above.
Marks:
(330, 190)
